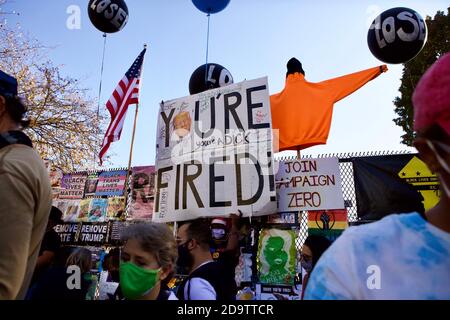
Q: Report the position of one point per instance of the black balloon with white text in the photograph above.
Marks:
(210, 77)
(108, 16)
(397, 35)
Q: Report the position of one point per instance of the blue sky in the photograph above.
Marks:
(251, 38)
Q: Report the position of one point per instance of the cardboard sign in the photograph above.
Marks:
(111, 183)
(91, 184)
(56, 176)
(67, 232)
(116, 228)
(275, 292)
(214, 154)
(72, 186)
(69, 208)
(309, 184)
(97, 210)
(62, 205)
(283, 218)
(93, 233)
(243, 271)
(142, 193)
(276, 256)
(84, 209)
(116, 208)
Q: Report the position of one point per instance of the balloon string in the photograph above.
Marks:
(100, 93)
(101, 75)
(207, 46)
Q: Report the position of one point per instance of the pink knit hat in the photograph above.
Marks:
(431, 98)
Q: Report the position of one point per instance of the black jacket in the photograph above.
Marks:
(214, 273)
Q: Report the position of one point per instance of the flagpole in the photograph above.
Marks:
(131, 152)
(127, 184)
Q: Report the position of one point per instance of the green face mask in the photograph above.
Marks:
(136, 281)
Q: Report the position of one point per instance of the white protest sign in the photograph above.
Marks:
(309, 184)
(214, 154)
(106, 288)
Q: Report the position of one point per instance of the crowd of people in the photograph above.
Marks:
(411, 251)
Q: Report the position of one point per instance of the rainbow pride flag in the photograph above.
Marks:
(329, 223)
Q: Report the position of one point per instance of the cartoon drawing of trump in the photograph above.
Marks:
(182, 124)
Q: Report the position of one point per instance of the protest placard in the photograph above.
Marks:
(111, 183)
(309, 184)
(214, 154)
(72, 186)
(142, 193)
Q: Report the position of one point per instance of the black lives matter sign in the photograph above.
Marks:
(72, 186)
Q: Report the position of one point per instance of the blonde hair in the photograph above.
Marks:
(183, 115)
(82, 258)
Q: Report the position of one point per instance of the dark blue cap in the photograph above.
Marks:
(8, 85)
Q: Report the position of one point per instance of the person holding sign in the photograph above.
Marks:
(403, 256)
(147, 262)
(225, 243)
(207, 279)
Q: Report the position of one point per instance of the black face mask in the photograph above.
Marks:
(185, 259)
(115, 275)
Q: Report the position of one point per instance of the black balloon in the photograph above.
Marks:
(108, 15)
(217, 76)
(397, 35)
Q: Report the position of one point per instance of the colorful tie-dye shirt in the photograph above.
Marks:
(399, 257)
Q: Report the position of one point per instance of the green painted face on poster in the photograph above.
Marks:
(276, 256)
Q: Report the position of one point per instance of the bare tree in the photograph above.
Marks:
(64, 123)
(5, 12)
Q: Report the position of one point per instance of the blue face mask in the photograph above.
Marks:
(307, 265)
(218, 233)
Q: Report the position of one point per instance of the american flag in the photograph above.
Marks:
(126, 93)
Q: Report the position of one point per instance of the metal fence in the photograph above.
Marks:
(348, 186)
